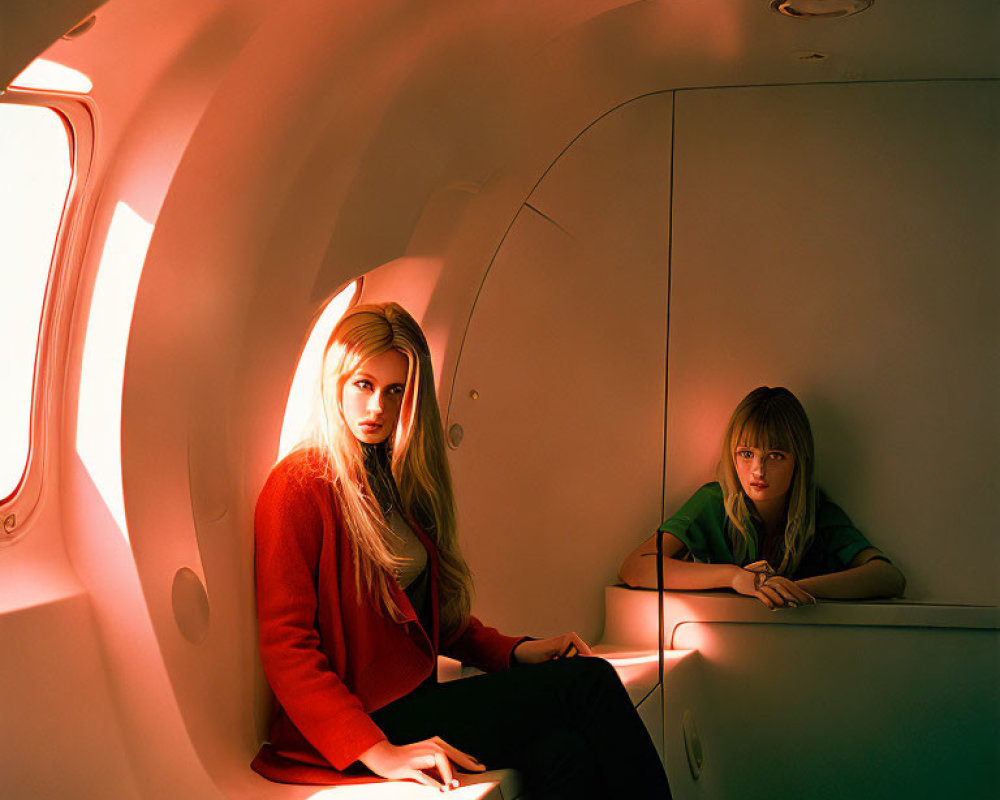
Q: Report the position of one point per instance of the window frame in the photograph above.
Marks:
(78, 114)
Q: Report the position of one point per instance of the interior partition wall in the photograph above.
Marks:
(841, 240)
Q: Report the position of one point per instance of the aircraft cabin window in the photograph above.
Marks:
(36, 164)
(301, 407)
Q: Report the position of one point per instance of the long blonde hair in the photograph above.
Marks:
(419, 464)
(770, 419)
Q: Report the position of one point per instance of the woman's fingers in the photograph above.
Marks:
(800, 594)
(764, 596)
(464, 760)
(421, 777)
(775, 591)
(569, 645)
(424, 762)
(782, 596)
(564, 648)
(538, 650)
(808, 597)
(790, 592)
(444, 768)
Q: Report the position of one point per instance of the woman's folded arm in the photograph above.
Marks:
(868, 576)
(639, 568)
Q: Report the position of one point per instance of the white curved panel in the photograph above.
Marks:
(864, 712)
(558, 474)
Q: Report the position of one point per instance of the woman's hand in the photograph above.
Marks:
(758, 580)
(535, 651)
(408, 762)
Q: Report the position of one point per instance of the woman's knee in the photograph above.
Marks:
(591, 668)
(585, 675)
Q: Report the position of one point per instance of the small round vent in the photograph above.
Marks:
(820, 9)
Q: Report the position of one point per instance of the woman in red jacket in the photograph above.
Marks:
(361, 583)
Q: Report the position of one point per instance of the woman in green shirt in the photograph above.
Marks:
(764, 529)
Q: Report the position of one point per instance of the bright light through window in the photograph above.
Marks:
(102, 375)
(35, 173)
(302, 409)
(48, 75)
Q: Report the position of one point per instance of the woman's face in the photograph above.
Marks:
(765, 475)
(373, 395)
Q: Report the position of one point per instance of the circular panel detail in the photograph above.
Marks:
(11, 529)
(692, 744)
(190, 603)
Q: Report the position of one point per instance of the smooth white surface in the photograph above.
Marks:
(632, 619)
(784, 699)
(61, 704)
(836, 712)
(492, 785)
(35, 163)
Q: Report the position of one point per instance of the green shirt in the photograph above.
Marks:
(701, 526)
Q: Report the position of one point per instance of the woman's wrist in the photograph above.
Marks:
(737, 576)
(513, 660)
(371, 756)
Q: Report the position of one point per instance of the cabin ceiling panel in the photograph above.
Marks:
(654, 46)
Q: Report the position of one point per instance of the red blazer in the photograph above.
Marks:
(328, 658)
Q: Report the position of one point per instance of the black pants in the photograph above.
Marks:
(567, 726)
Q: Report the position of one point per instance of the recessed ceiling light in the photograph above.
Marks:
(819, 9)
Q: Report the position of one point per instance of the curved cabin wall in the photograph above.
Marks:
(280, 152)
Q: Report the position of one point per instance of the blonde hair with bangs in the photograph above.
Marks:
(419, 462)
(770, 419)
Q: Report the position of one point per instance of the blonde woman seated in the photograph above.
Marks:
(361, 583)
(764, 529)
